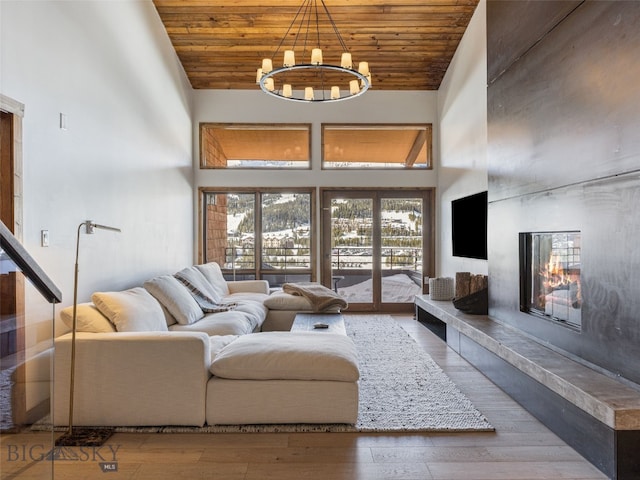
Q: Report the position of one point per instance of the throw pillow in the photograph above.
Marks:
(88, 319)
(133, 310)
(196, 282)
(213, 274)
(202, 291)
(175, 298)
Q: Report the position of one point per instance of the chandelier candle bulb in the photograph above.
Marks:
(335, 92)
(269, 84)
(289, 58)
(354, 87)
(287, 90)
(346, 61)
(316, 56)
(308, 93)
(267, 65)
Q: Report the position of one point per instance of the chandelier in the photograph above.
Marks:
(315, 81)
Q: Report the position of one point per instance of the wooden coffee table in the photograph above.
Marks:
(304, 322)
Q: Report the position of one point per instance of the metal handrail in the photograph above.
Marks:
(282, 259)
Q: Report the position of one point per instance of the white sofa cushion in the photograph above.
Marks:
(222, 323)
(175, 298)
(254, 309)
(213, 274)
(288, 356)
(218, 342)
(133, 310)
(248, 286)
(88, 319)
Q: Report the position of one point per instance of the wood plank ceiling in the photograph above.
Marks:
(408, 43)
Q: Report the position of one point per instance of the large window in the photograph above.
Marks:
(236, 145)
(283, 249)
(349, 146)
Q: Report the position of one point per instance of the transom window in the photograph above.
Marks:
(346, 146)
(236, 145)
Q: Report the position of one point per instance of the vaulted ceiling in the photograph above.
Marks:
(408, 43)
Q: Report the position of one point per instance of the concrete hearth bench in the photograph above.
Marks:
(595, 413)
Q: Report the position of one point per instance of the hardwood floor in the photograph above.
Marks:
(520, 449)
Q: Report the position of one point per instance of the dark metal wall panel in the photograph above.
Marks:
(564, 154)
(528, 22)
(568, 111)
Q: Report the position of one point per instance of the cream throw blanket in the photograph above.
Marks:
(321, 297)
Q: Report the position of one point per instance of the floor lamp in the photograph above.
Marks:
(81, 437)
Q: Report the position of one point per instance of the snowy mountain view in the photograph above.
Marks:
(286, 228)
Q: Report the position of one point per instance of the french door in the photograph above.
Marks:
(377, 246)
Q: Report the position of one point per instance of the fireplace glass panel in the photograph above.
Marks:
(550, 276)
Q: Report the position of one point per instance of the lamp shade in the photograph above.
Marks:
(335, 92)
(289, 58)
(267, 65)
(269, 84)
(316, 56)
(345, 61)
(308, 93)
(354, 87)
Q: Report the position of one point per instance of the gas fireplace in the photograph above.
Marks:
(550, 276)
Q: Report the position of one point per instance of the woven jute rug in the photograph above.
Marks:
(401, 387)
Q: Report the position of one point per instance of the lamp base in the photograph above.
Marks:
(84, 437)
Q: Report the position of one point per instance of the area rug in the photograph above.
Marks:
(402, 389)
(6, 412)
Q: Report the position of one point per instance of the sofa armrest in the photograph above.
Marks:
(248, 286)
(136, 378)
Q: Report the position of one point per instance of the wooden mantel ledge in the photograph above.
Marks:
(614, 403)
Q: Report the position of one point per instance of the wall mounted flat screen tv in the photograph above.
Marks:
(469, 226)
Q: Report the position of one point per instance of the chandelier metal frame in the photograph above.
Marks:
(267, 77)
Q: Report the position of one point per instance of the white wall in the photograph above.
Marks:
(462, 115)
(125, 158)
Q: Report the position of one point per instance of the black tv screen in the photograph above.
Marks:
(469, 226)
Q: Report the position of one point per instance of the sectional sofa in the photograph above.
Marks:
(190, 349)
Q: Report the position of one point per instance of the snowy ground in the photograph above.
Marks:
(395, 289)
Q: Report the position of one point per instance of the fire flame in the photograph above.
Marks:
(554, 277)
